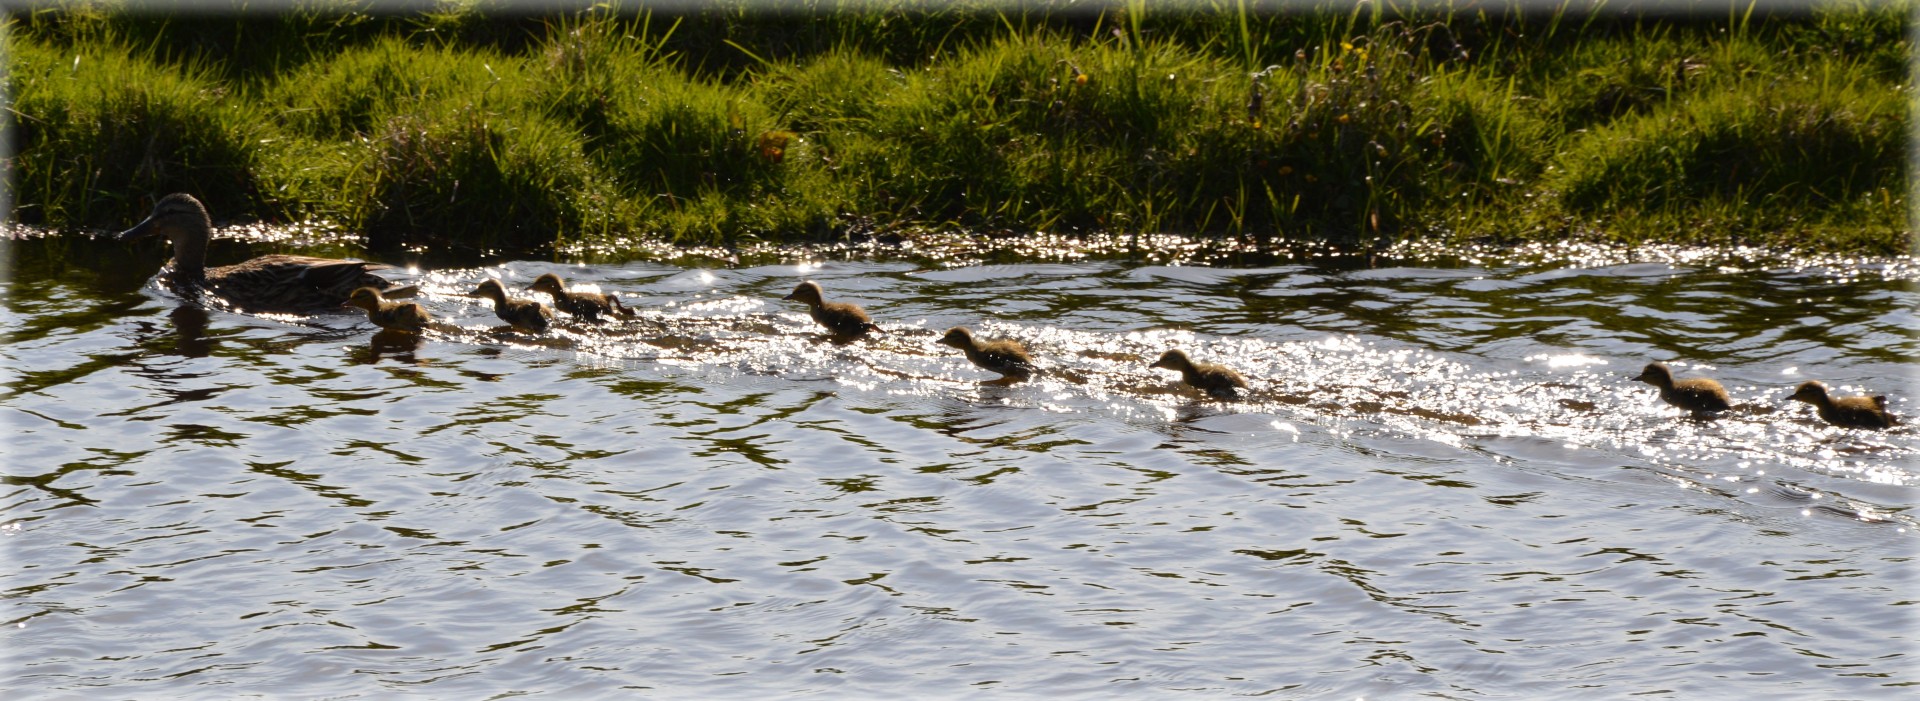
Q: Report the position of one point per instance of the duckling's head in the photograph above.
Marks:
(808, 292)
(1175, 359)
(1656, 374)
(178, 212)
(549, 283)
(1811, 392)
(365, 298)
(490, 289)
(958, 337)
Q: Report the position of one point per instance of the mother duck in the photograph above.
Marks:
(270, 283)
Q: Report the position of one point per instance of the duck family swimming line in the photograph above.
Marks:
(306, 284)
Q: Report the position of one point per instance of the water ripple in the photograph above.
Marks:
(1443, 482)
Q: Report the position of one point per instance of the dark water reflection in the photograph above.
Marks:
(1442, 484)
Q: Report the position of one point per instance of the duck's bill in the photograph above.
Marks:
(140, 230)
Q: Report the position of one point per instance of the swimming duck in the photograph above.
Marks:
(524, 314)
(405, 317)
(1217, 380)
(270, 283)
(842, 318)
(586, 305)
(1695, 394)
(1004, 356)
(1851, 412)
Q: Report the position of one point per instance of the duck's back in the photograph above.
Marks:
(1214, 379)
(587, 305)
(843, 318)
(1004, 357)
(1697, 394)
(524, 314)
(287, 283)
(402, 316)
(1858, 412)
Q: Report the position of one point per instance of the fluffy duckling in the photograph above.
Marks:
(524, 314)
(1695, 394)
(404, 317)
(1217, 380)
(1851, 412)
(843, 319)
(586, 305)
(1004, 356)
(270, 283)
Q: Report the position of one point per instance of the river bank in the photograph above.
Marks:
(615, 129)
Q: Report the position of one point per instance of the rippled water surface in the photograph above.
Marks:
(1443, 484)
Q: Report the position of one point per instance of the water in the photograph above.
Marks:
(1442, 484)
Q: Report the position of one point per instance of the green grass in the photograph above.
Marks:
(475, 125)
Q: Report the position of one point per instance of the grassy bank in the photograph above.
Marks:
(727, 123)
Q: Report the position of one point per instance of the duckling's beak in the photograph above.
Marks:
(140, 230)
(789, 295)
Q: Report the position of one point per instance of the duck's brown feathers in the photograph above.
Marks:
(1695, 394)
(1004, 356)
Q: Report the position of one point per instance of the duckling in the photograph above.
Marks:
(1004, 356)
(1851, 412)
(270, 283)
(586, 305)
(404, 317)
(1695, 394)
(843, 319)
(524, 314)
(1217, 380)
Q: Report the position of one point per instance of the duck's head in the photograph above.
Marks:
(173, 214)
(490, 289)
(182, 219)
(1811, 392)
(549, 283)
(958, 337)
(1175, 359)
(365, 298)
(1656, 374)
(808, 292)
